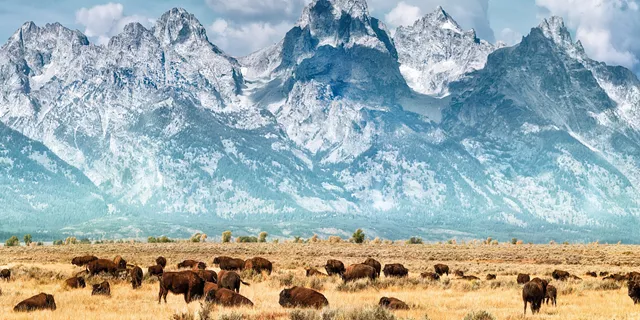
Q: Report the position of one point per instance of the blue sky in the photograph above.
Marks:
(608, 29)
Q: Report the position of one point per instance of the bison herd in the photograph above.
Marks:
(223, 288)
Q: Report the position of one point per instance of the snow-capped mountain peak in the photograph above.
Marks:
(354, 8)
(177, 26)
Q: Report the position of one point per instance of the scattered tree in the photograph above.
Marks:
(27, 239)
(246, 239)
(358, 236)
(335, 239)
(196, 237)
(12, 242)
(226, 236)
(85, 241)
(414, 240)
(262, 237)
(58, 242)
(152, 240)
(514, 240)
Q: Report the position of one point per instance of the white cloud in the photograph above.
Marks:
(509, 36)
(246, 37)
(101, 22)
(608, 29)
(265, 10)
(403, 15)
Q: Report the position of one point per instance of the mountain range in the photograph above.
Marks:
(430, 132)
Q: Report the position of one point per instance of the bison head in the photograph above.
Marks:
(50, 302)
(81, 282)
(285, 297)
(384, 301)
(216, 260)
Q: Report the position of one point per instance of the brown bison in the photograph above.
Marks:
(574, 277)
(230, 280)
(228, 263)
(552, 295)
(633, 275)
(430, 275)
(634, 290)
(393, 304)
(201, 266)
(374, 264)
(523, 278)
(103, 289)
(491, 277)
(189, 264)
(459, 273)
(258, 265)
(156, 270)
(591, 274)
(298, 297)
(41, 301)
(136, 277)
(5, 274)
(121, 263)
(208, 287)
(359, 271)
(534, 292)
(207, 275)
(604, 273)
(470, 278)
(312, 272)
(615, 277)
(75, 283)
(560, 275)
(81, 261)
(334, 267)
(227, 298)
(441, 269)
(395, 270)
(102, 265)
(187, 283)
(161, 261)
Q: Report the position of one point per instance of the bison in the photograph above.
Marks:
(258, 265)
(552, 295)
(523, 278)
(334, 267)
(298, 297)
(227, 298)
(534, 292)
(136, 277)
(470, 278)
(312, 272)
(634, 290)
(208, 287)
(591, 274)
(574, 277)
(604, 273)
(207, 275)
(633, 275)
(41, 301)
(615, 277)
(75, 283)
(102, 265)
(189, 264)
(395, 270)
(228, 263)
(230, 280)
(374, 264)
(81, 261)
(393, 304)
(156, 270)
(433, 276)
(359, 271)
(491, 277)
(103, 289)
(121, 263)
(5, 274)
(441, 269)
(187, 283)
(161, 261)
(560, 275)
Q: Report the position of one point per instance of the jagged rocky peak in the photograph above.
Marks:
(555, 29)
(178, 26)
(354, 8)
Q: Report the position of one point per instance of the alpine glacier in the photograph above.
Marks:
(340, 125)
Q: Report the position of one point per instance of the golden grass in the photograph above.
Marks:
(42, 269)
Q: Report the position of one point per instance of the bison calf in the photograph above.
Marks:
(534, 292)
(41, 301)
(75, 283)
(393, 304)
(552, 295)
(334, 267)
(298, 297)
(5, 274)
(136, 277)
(103, 289)
(395, 270)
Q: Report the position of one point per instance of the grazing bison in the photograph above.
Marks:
(334, 267)
(534, 292)
(634, 290)
(591, 274)
(161, 261)
(491, 276)
(227, 298)
(359, 271)
(441, 269)
(156, 270)
(230, 280)
(75, 283)
(374, 264)
(187, 283)
(121, 263)
(207, 275)
(41, 301)
(615, 277)
(190, 264)
(312, 272)
(459, 273)
(430, 275)
(523, 278)
(208, 287)
(103, 289)
(470, 278)
(393, 304)
(258, 265)
(298, 297)
(395, 270)
(228, 263)
(136, 277)
(560, 275)
(201, 266)
(604, 273)
(81, 261)
(102, 265)
(552, 295)
(5, 274)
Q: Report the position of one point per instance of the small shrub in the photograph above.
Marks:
(27, 239)
(376, 241)
(316, 283)
(299, 314)
(196, 237)
(246, 239)
(70, 240)
(335, 239)
(152, 240)
(414, 240)
(368, 313)
(58, 242)
(298, 239)
(276, 241)
(165, 239)
(354, 286)
(183, 316)
(262, 237)
(231, 316)
(12, 242)
(205, 311)
(479, 315)
(39, 243)
(358, 236)
(514, 241)
(85, 241)
(226, 236)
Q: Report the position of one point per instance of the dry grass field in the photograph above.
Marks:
(43, 269)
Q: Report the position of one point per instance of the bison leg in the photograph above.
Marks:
(525, 307)
(160, 295)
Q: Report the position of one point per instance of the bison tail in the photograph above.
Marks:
(245, 283)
